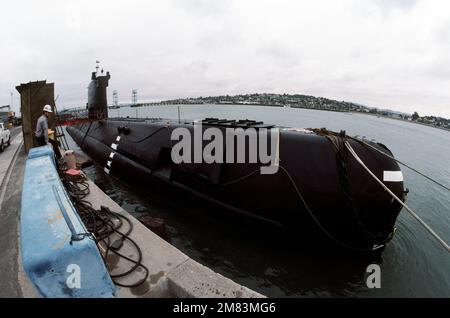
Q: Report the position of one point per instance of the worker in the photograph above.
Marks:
(42, 127)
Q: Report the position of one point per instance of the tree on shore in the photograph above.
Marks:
(415, 116)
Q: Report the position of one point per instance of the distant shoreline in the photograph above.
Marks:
(401, 119)
(305, 108)
(341, 111)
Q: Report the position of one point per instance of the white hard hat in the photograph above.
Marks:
(48, 109)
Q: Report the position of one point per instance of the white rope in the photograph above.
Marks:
(402, 163)
(418, 219)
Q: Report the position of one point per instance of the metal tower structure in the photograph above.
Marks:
(115, 98)
(134, 97)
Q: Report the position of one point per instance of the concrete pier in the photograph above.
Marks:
(14, 282)
(172, 273)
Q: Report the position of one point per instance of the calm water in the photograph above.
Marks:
(413, 265)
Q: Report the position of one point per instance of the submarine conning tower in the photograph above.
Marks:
(97, 96)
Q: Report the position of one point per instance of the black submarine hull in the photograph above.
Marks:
(320, 191)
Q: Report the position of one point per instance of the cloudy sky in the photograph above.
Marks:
(385, 53)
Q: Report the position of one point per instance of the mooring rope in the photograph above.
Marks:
(402, 163)
(411, 212)
(324, 230)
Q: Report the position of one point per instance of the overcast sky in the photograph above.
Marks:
(385, 53)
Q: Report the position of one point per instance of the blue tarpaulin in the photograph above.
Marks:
(59, 256)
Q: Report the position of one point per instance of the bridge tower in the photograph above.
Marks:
(115, 98)
(134, 97)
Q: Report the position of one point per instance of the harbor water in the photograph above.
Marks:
(275, 264)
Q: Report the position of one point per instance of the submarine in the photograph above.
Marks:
(313, 186)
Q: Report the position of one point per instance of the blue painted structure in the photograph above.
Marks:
(55, 243)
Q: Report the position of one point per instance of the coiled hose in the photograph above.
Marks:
(103, 224)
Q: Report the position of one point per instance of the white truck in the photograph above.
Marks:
(5, 137)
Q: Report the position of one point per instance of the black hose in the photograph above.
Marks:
(102, 224)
